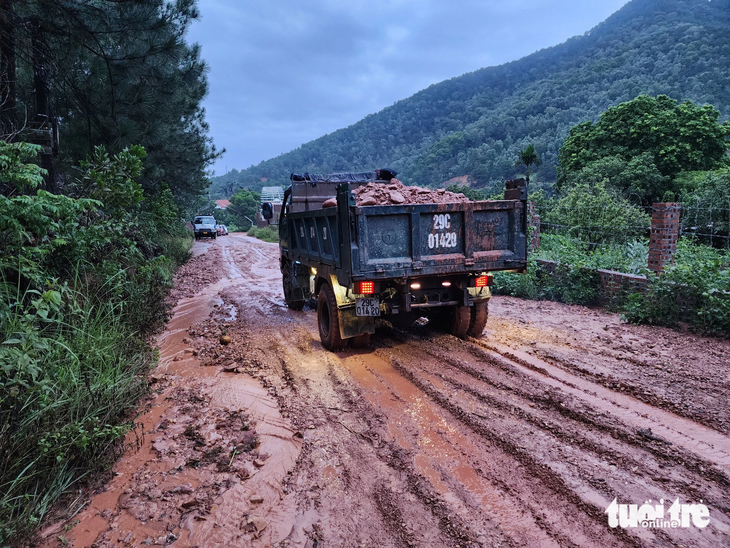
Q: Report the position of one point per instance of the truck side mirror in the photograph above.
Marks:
(267, 211)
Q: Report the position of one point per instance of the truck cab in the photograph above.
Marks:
(204, 226)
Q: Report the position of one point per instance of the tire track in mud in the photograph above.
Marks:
(712, 396)
(581, 415)
(349, 430)
(695, 480)
(705, 443)
(516, 480)
(410, 437)
(677, 371)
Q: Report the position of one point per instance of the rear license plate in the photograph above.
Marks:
(367, 307)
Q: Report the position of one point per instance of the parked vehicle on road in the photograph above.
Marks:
(397, 262)
(204, 226)
(222, 230)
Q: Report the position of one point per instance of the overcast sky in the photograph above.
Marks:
(284, 72)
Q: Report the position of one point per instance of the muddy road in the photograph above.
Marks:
(257, 436)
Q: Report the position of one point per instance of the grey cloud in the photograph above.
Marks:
(283, 72)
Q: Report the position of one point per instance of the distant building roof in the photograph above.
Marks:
(222, 204)
(273, 194)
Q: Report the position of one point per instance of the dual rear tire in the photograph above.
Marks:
(462, 321)
(328, 320)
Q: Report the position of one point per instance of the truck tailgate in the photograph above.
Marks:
(427, 239)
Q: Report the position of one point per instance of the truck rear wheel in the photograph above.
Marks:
(459, 320)
(328, 319)
(454, 320)
(479, 313)
(289, 289)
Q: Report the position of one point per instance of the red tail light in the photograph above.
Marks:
(365, 288)
(483, 281)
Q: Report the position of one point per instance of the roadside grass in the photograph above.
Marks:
(266, 234)
(694, 289)
(83, 286)
(72, 373)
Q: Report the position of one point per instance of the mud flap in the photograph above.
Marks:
(352, 325)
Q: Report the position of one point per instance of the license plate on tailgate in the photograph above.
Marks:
(367, 307)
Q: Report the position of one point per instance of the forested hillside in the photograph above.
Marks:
(475, 124)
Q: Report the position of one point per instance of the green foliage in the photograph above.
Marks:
(637, 254)
(111, 180)
(645, 143)
(245, 204)
(477, 123)
(267, 233)
(528, 158)
(69, 374)
(597, 216)
(15, 171)
(706, 204)
(695, 289)
(637, 179)
(629, 258)
(118, 74)
(555, 282)
(82, 285)
(473, 194)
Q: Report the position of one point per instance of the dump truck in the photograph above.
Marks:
(397, 261)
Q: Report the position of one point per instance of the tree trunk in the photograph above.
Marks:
(40, 76)
(44, 117)
(8, 97)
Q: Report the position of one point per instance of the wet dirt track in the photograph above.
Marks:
(521, 437)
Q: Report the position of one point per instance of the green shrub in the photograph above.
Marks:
(695, 289)
(266, 233)
(598, 216)
(69, 375)
(83, 283)
(563, 283)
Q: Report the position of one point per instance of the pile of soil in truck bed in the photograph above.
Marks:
(396, 193)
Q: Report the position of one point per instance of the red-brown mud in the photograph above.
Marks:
(520, 437)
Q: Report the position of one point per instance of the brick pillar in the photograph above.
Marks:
(533, 221)
(664, 235)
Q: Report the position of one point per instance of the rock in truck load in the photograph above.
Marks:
(396, 193)
(379, 187)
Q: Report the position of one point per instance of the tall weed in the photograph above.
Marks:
(70, 374)
(695, 289)
(83, 282)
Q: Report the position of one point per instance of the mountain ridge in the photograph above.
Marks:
(473, 125)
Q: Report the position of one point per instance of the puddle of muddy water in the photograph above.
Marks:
(439, 446)
(210, 508)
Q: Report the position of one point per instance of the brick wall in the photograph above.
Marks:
(664, 235)
(615, 286)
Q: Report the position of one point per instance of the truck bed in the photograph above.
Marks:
(428, 239)
(394, 241)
